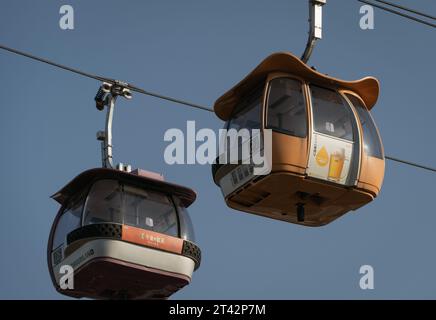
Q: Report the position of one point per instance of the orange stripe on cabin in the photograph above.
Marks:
(151, 239)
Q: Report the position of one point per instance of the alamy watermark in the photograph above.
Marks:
(367, 280)
(66, 281)
(367, 20)
(66, 22)
(229, 146)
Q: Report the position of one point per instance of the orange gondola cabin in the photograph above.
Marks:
(326, 151)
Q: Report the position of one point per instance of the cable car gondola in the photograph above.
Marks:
(126, 234)
(327, 155)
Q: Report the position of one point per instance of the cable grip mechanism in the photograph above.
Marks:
(106, 96)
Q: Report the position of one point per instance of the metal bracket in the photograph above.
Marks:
(106, 96)
(315, 32)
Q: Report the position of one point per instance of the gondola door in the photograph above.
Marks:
(334, 152)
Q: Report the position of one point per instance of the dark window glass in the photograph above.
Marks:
(245, 118)
(150, 210)
(69, 221)
(286, 107)
(104, 203)
(109, 201)
(371, 139)
(186, 227)
(248, 113)
(332, 114)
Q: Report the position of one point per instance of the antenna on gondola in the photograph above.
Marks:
(315, 31)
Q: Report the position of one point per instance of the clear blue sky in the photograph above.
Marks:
(196, 50)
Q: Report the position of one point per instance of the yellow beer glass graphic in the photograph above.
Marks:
(337, 159)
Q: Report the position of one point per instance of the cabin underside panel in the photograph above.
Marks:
(115, 269)
(277, 195)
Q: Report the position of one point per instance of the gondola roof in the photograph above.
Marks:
(141, 179)
(367, 88)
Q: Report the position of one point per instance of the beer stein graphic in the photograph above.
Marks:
(337, 160)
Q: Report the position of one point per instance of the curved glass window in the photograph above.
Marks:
(69, 221)
(104, 203)
(110, 201)
(247, 114)
(150, 210)
(371, 139)
(246, 117)
(186, 227)
(287, 107)
(332, 114)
